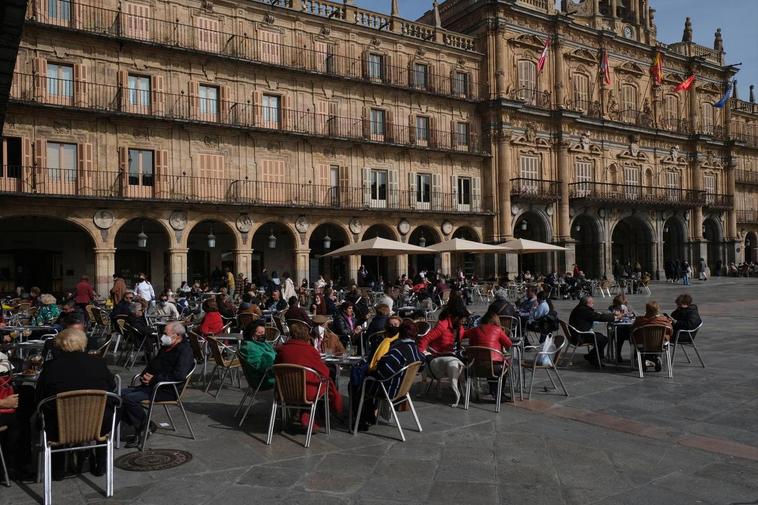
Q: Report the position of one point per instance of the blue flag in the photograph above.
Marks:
(720, 104)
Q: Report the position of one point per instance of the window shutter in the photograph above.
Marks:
(77, 17)
(40, 154)
(27, 158)
(161, 172)
(412, 190)
(322, 117)
(123, 168)
(194, 99)
(389, 70)
(393, 188)
(433, 133)
(454, 191)
(366, 120)
(476, 196)
(366, 186)
(412, 128)
(80, 85)
(223, 104)
(389, 127)
(453, 137)
(346, 195)
(123, 84)
(158, 98)
(257, 116)
(322, 190)
(365, 64)
(39, 69)
(436, 195)
(85, 175)
(472, 90)
(284, 112)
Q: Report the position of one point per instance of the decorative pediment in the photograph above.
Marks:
(630, 68)
(527, 40)
(709, 87)
(632, 154)
(713, 162)
(585, 149)
(672, 78)
(674, 157)
(582, 55)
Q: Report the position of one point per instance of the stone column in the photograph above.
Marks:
(354, 263)
(446, 264)
(731, 216)
(302, 265)
(500, 60)
(558, 77)
(243, 262)
(177, 267)
(564, 220)
(105, 267)
(401, 264)
(504, 184)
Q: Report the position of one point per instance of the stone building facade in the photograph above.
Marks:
(178, 137)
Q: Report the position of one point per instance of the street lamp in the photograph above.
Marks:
(422, 240)
(142, 238)
(272, 240)
(211, 239)
(327, 241)
(578, 228)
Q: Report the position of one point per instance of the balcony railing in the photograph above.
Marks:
(536, 190)
(320, 60)
(715, 131)
(28, 88)
(718, 201)
(746, 138)
(744, 106)
(590, 108)
(104, 184)
(643, 118)
(650, 196)
(533, 97)
(675, 125)
(746, 177)
(747, 216)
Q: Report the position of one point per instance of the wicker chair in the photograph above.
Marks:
(290, 394)
(223, 365)
(650, 339)
(273, 336)
(198, 344)
(251, 391)
(480, 365)
(684, 338)
(408, 372)
(80, 418)
(549, 363)
(6, 480)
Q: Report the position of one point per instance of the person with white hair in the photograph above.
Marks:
(48, 313)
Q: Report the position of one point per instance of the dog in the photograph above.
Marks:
(443, 367)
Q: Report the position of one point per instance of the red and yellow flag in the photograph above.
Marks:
(656, 69)
(685, 84)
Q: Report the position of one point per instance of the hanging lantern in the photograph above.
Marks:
(211, 239)
(422, 241)
(578, 228)
(272, 240)
(666, 230)
(327, 241)
(142, 239)
(524, 225)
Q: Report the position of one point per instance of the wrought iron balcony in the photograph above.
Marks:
(151, 186)
(747, 216)
(675, 125)
(648, 196)
(718, 201)
(589, 108)
(746, 177)
(532, 97)
(320, 60)
(535, 190)
(70, 94)
(643, 118)
(746, 138)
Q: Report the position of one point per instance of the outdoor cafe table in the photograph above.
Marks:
(613, 326)
(346, 361)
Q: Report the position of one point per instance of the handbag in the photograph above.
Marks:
(6, 390)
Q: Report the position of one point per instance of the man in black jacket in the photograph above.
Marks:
(172, 364)
(583, 318)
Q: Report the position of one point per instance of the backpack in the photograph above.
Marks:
(548, 323)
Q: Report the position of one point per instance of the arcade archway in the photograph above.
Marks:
(588, 248)
(632, 244)
(377, 266)
(713, 237)
(423, 236)
(325, 238)
(142, 246)
(674, 240)
(532, 226)
(211, 247)
(274, 249)
(751, 247)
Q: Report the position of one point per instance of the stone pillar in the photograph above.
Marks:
(401, 265)
(243, 262)
(558, 89)
(354, 263)
(504, 185)
(569, 257)
(302, 265)
(731, 216)
(105, 267)
(564, 220)
(500, 60)
(177, 267)
(446, 264)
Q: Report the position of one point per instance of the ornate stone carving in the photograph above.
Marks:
(103, 219)
(269, 18)
(302, 224)
(178, 220)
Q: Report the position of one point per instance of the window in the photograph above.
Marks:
(270, 46)
(420, 76)
(60, 81)
(139, 93)
(141, 168)
(136, 21)
(632, 181)
(58, 11)
(334, 184)
(628, 103)
(324, 57)
(423, 190)
(207, 34)
(12, 157)
(529, 171)
(460, 84)
(422, 130)
(581, 92)
(673, 184)
(461, 135)
(272, 112)
(671, 112)
(377, 124)
(375, 66)
(274, 178)
(378, 183)
(584, 177)
(464, 192)
(61, 161)
(208, 96)
(527, 81)
(707, 122)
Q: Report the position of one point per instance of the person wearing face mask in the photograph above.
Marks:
(164, 308)
(173, 362)
(144, 289)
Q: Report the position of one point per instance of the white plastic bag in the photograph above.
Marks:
(548, 348)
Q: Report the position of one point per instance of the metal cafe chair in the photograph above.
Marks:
(650, 339)
(480, 365)
(686, 338)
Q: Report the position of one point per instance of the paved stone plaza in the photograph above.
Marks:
(617, 439)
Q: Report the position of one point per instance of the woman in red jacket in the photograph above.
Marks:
(490, 334)
(212, 324)
(449, 329)
(298, 350)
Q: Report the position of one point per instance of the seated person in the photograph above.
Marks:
(490, 334)
(403, 352)
(379, 321)
(143, 331)
(57, 377)
(583, 318)
(345, 325)
(296, 313)
(172, 364)
(164, 308)
(385, 299)
(324, 340)
(212, 324)
(379, 348)
(48, 312)
(257, 355)
(621, 309)
(121, 309)
(539, 312)
(501, 306)
(75, 321)
(686, 316)
(526, 304)
(225, 304)
(653, 316)
(298, 350)
(445, 337)
(275, 302)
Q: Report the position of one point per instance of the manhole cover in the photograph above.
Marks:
(152, 460)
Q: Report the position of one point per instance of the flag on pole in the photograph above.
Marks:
(727, 94)
(605, 69)
(685, 84)
(543, 56)
(656, 69)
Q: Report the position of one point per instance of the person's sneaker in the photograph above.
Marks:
(658, 364)
(153, 427)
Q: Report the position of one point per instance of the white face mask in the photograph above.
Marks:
(166, 340)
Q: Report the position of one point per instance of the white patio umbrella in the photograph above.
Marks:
(524, 246)
(461, 245)
(378, 247)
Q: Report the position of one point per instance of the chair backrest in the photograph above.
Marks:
(80, 415)
(279, 322)
(187, 379)
(649, 338)
(245, 319)
(480, 363)
(121, 323)
(103, 349)
(197, 348)
(292, 323)
(90, 312)
(291, 383)
(215, 348)
(423, 327)
(272, 335)
(690, 333)
(409, 375)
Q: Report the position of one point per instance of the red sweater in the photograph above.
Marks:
(301, 352)
(212, 323)
(84, 292)
(441, 338)
(489, 335)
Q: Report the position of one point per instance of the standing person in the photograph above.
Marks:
(703, 268)
(144, 289)
(118, 290)
(83, 294)
(288, 288)
(362, 276)
(230, 281)
(686, 271)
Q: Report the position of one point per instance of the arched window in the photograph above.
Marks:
(628, 103)
(632, 181)
(527, 81)
(581, 91)
(673, 184)
(706, 120)
(671, 112)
